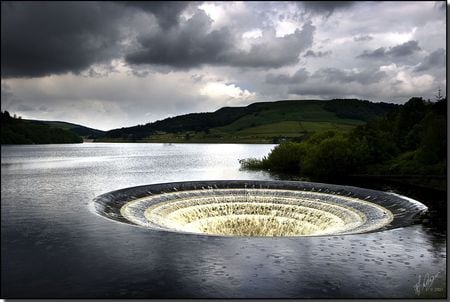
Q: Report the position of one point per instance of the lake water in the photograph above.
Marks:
(54, 246)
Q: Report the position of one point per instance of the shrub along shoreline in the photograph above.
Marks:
(410, 141)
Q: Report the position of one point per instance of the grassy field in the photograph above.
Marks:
(282, 120)
(304, 112)
(293, 128)
(258, 134)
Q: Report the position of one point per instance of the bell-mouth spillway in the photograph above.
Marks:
(258, 208)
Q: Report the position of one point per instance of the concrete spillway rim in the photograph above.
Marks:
(114, 200)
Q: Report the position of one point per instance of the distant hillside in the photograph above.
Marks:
(264, 122)
(19, 131)
(82, 131)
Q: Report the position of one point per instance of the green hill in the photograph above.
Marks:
(19, 131)
(264, 122)
(82, 131)
(24, 131)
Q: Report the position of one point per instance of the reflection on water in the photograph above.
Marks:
(54, 246)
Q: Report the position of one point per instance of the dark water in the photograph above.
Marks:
(53, 246)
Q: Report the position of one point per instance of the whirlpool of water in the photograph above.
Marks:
(258, 208)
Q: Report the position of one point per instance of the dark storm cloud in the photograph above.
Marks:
(317, 54)
(277, 52)
(193, 44)
(299, 77)
(185, 46)
(362, 38)
(43, 38)
(375, 54)
(328, 76)
(402, 50)
(435, 60)
(325, 7)
(166, 12)
(334, 75)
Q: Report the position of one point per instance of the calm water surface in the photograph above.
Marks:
(54, 246)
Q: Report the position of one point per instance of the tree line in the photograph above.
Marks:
(409, 140)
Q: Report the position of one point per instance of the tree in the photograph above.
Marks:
(438, 96)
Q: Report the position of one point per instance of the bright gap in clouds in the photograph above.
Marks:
(213, 11)
(284, 28)
(222, 91)
(397, 37)
(252, 34)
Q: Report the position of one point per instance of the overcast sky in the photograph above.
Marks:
(113, 64)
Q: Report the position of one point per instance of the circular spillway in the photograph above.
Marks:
(258, 208)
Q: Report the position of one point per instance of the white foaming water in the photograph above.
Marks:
(256, 212)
